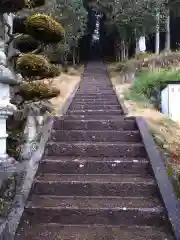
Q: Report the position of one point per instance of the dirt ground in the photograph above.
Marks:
(66, 84)
(166, 132)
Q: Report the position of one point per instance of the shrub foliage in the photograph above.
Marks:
(42, 27)
(33, 65)
(38, 90)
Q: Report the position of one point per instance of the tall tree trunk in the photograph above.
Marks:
(137, 46)
(115, 51)
(78, 57)
(137, 42)
(74, 56)
(157, 33)
(168, 34)
(65, 63)
(121, 58)
(118, 49)
(126, 51)
(123, 50)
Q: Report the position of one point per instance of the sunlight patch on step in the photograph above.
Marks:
(117, 161)
(135, 161)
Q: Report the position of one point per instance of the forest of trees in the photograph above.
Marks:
(129, 20)
(125, 20)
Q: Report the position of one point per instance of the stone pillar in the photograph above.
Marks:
(7, 78)
(6, 109)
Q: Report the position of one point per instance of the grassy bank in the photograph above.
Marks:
(148, 85)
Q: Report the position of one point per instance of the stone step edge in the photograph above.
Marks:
(58, 178)
(116, 120)
(87, 143)
(155, 204)
(53, 159)
(101, 225)
(79, 227)
(97, 131)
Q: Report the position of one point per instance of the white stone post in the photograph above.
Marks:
(142, 44)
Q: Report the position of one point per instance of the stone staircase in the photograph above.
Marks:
(95, 181)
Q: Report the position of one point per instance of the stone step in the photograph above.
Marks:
(124, 185)
(96, 101)
(72, 165)
(96, 96)
(95, 117)
(93, 74)
(91, 87)
(94, 106)
(96, 92)
(97, 83)
(95, 87)
(99, 100)
(56, 231)
(119, 124)
(95, 149)
(95, 210)
(95, 112)
(96, 136)
(103, 101)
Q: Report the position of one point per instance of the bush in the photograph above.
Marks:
(33, 65)
(146, 82)
(25, 43)
(142, 55)
(164, 60)
(120, 66)
(37, 90)
(44, 28)
(147, 61)
(131, 65)
(54, 71)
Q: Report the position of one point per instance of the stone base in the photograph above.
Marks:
(8, 166)
(6, 160)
